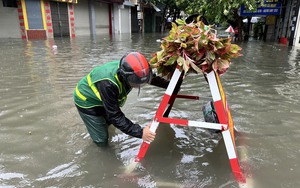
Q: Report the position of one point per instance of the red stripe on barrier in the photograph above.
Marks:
(142, 152)
(161, 109)
(187, 97)
(183, 122)
(239, 176)
(220, 112)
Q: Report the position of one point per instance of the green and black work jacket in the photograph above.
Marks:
(103, 91)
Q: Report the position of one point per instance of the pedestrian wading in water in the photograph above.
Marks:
(99, 95)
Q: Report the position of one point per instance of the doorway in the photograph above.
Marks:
(60, 19)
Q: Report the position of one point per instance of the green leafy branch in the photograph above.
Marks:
(194, 47)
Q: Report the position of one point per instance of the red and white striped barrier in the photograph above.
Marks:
(222, 109)
(234, 163)
(224, 117)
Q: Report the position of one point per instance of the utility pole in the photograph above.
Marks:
(140, 16)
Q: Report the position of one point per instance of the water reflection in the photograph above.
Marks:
(44, 142)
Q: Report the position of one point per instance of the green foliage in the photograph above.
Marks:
(194, 48)
(216, 10)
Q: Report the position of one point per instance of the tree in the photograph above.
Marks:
(219, 11)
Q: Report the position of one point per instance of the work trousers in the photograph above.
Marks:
(97, 127)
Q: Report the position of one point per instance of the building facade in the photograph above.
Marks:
(294, 24)
(287, 30)
(44, 19)
(9, 21)
(281, 21)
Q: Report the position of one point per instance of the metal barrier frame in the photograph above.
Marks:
(222, 109)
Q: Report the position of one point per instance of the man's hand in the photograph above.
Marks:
(148, 136)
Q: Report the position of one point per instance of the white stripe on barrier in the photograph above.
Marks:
(154, 126)
(173, 82)
(207, 125)
(229, 144)
(213, 86)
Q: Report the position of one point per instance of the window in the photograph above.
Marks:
(9, 3)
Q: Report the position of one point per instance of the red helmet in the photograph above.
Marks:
(135, 68)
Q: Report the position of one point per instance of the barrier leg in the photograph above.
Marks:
(234, 163)
(224, 116)
(161, 111)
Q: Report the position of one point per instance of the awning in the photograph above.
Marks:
(229, 29)
(128, 3)
(253, 20)
(155, 7)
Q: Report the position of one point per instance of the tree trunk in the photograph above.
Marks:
(239, 22)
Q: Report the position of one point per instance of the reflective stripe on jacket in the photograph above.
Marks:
(86, 94)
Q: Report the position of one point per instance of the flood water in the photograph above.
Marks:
(44, 143)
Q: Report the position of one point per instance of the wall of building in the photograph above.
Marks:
(285, 20)
(126, 19)
(294, 39)
(88, 18)
(121, 19)
(82, 24)
(101, 18)
(287, 27)
(297, 31)
(9, 22)
(82, 17)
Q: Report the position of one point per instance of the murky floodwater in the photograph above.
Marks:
(45, 144)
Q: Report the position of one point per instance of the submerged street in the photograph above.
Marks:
(44, 143)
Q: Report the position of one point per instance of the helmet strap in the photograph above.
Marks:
(122, 75)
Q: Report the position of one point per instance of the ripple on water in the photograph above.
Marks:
(36, 96)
